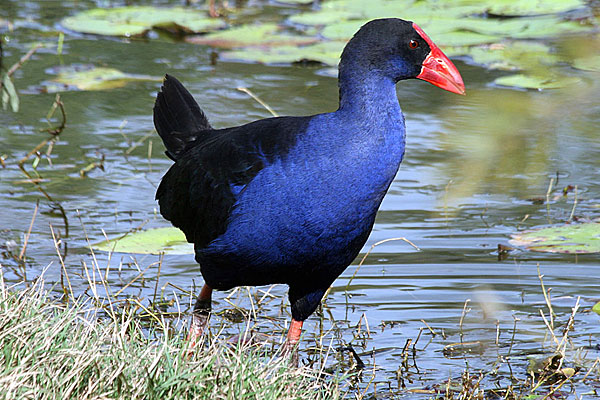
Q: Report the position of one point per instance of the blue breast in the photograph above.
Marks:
(311, 210)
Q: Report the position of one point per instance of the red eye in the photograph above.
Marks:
(413, 44)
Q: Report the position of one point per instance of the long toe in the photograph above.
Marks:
(197, 328)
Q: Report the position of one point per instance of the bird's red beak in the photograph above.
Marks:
(438, 69)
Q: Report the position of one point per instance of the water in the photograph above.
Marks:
(473, 165)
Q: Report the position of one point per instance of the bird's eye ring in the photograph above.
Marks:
(413, 44)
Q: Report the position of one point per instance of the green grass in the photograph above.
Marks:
(52, 351)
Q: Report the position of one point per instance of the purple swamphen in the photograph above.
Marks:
(293, 199)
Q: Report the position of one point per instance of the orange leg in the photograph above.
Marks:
(293, 336)
(294, 333)
(212, 11)
(200, 316)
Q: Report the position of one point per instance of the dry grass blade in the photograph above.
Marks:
(258, 100)
(22, 254)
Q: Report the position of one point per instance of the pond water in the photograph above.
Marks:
(477, 169)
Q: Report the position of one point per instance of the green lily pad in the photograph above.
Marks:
(153, 241)
(514, 55)
(464, 38)
(264, 35)
(525, 27)
(342, 30)
(137, 20)
(528, 7)
(92, 78)
(572, 238)
(588, 63)
(547, 27)
(321, 17)
(333, 12)
(327, 53)
(536, 82)
(442, 35)
(296, 1)
(596, 308)
(416, 11)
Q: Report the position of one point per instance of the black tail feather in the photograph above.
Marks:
(177, 117)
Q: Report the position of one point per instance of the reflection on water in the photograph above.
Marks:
(472, 166)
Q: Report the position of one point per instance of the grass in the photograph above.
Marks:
(53, 351)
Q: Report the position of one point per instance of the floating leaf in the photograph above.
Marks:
(91, 78)
(153, 241)
(465, 38)
(515, 55)
(588, 63)
(540, 28)
(137, 20)
(264, 35)
(528, 7)
(536, 82)
(327, 53)
(342, 30)
(573, 238)
(442, 35)
(530, 27)
(322, 17)
(596, 308)
(296, 1)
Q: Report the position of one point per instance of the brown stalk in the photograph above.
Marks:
(54, 132)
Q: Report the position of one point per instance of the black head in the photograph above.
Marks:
(399, 49)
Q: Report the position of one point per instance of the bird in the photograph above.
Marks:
(293, 199)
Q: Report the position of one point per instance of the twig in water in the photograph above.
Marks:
(548, 303)
(369, 252)
(548, 199)
(497, 335)
(258, 100)
(21, 164)
(64, 269)
(574, 206)
(8, 89)
(96, 164)
(26, 240)
(562, 347)
(521, 221)
(55, 131)
(141, 274)
(512, 342)
(150, 155)
(20, 63)
(433, 333)
(160, 261)
(550, 393)
(589, 371)
(362, 395)
(550, 329)
(137, 144)
(446, 200)
(462, 318)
